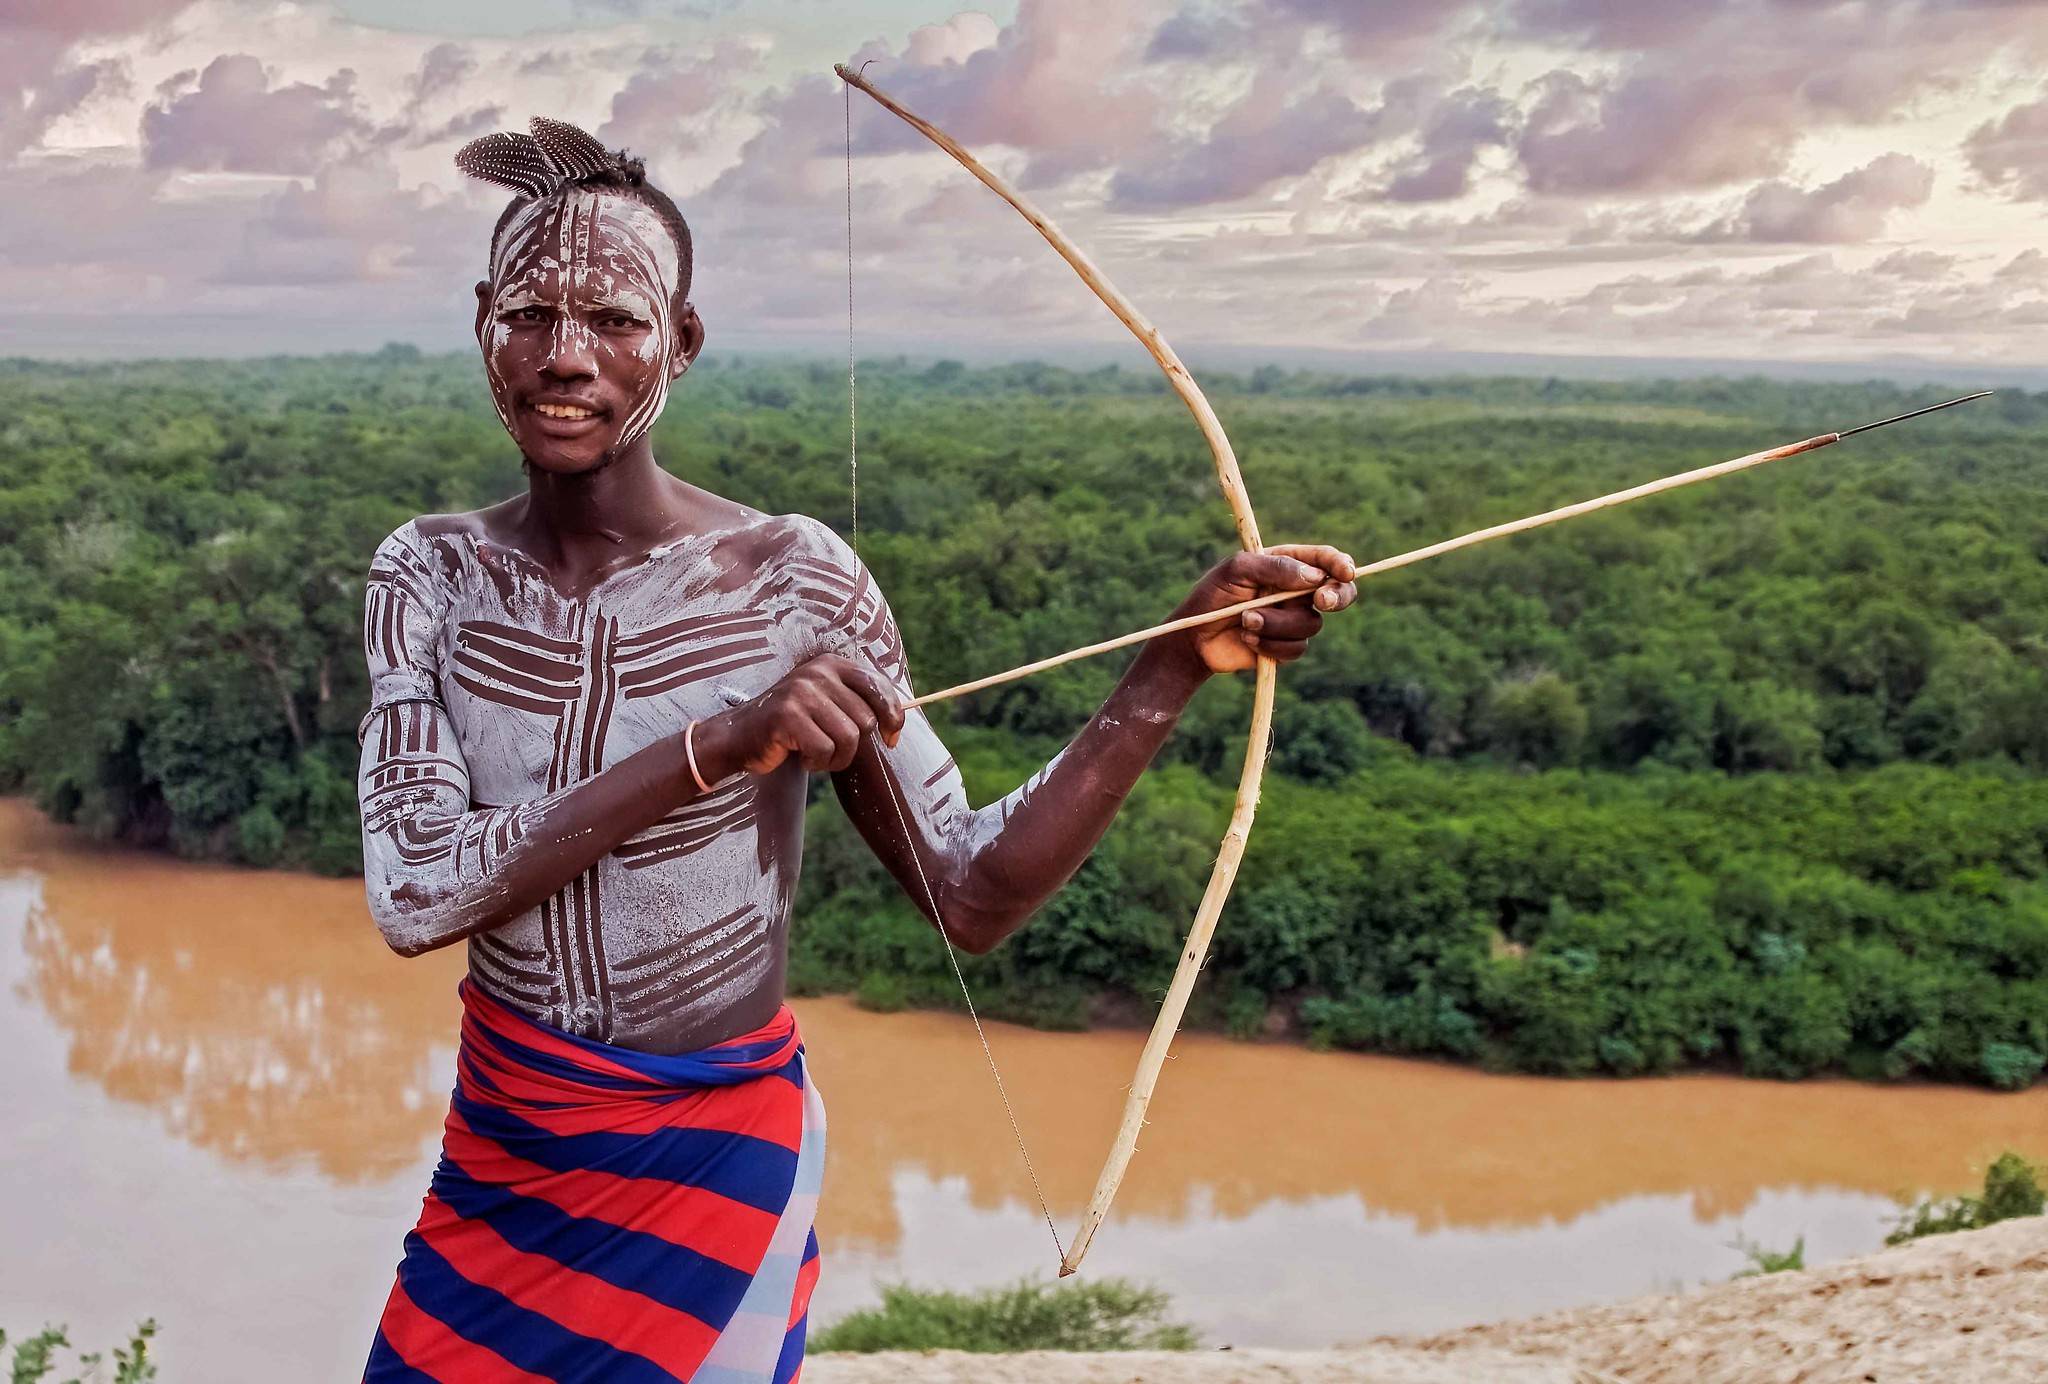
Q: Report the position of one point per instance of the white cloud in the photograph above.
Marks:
(2011, 153)
(1553, 175)
(1853, 208)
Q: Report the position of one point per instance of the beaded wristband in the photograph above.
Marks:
(690, 753)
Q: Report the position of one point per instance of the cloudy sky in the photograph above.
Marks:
(1749, 179)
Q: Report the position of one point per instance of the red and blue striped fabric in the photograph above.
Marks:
(604, 1214)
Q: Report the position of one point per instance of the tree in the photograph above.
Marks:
(1533, 719)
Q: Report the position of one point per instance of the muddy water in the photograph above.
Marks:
(223, 1096)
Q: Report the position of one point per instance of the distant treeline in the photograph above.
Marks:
(1755, 774)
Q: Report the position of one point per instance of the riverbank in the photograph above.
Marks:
(1971, 1306)
(1381, 1364)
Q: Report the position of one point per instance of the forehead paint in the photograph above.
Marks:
(580, 253)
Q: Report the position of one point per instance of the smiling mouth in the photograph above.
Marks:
(565, 412)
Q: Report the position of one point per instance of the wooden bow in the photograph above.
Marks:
(1231, 851)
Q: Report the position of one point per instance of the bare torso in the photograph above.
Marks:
(678, 935)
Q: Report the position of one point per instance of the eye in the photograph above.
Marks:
(619, 322)
(526, 315)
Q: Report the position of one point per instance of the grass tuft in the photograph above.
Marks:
(1098, 1314)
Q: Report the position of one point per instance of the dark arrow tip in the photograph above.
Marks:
(1902, 417)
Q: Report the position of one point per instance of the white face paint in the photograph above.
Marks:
(583, 284)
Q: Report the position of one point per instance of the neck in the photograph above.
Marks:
(625, 503)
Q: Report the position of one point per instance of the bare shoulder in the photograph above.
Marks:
(776, 540)
(488, 523)
(432, 544)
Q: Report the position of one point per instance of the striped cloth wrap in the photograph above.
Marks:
(604, 1214)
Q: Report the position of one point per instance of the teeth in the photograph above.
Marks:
(564, 411)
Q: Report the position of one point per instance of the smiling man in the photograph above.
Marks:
(594, 709)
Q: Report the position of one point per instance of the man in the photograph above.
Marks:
(594, 708)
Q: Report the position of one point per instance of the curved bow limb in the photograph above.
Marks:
(1231, 850)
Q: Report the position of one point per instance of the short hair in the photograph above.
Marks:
(624, 176)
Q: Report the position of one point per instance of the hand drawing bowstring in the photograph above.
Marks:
(1231, 850)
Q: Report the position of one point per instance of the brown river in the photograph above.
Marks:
(223, 1097)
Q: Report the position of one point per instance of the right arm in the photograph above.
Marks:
(436, 870)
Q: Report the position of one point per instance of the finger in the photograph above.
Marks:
(1334, 561)
(1272, 571)
(1336, 595)
(883, 700)
(847, 697)
(1282, 650)
(1284, 621)
(844, 734)
(814, 747)
(879, 706)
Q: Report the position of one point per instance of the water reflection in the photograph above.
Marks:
(256, 1012)
(1329, 1270)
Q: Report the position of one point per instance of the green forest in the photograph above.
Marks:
(1751, 777)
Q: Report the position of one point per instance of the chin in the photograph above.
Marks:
(559, 461)
(568, 456)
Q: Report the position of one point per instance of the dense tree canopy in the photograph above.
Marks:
(1755, 774)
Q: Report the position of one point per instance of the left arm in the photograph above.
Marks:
(989, 869)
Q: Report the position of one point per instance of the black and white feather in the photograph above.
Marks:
(516, 162)
(572, 151)
(535, 165)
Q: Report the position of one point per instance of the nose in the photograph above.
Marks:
(572, 351)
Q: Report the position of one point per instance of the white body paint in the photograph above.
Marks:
(492, 694)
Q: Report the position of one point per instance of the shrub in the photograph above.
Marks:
(259, 837)
(35, 1357)
(1244, 1016)
(1098, 1314)
(1763, 1261)
(2011, 1067)
(882, 992)
(2012, 1188)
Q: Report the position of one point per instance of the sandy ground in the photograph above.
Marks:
(1951, 1309)
(1386, 1364)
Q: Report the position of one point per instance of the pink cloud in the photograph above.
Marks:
(1708, 95)
(955, 41)
(235, 121)
(443, 68)
(1451, 137)
(1852, 208)
(664, 105)
(1368, 27)
(1658, 131)
(38, 81)
(354, 224)
(2011, 153)
(1277, 131)
(1060, 82)
(1920, 266)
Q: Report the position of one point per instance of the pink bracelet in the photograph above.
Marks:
(690, 753)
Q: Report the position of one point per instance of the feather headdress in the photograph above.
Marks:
(538, 164)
